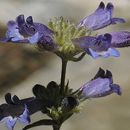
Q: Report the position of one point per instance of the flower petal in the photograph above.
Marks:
(117, 20)
(20, 20)
(101, 17)
(34, 39)
(10, 122)
(85, 42)
(96, 87)
(98, 43)
(112, 52)
(24, 28)
(21, 31)
(101, 85)
(102, 74)
(19, 109)
(96, 46)
(116, 88)
(120, 39)
(13, 32)
(29, 20)
(69, 103)
(94, 54)
(25, 117)
(47, 43)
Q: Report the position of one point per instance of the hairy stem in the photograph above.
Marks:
(63, 74)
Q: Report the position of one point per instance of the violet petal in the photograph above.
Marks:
(25, 117)
(21, 31)
(10, 122)
(13, 32)
(98, 46)
(96, 87)
(116, 88)
(101, 85)
(101, 18)
(120, 39)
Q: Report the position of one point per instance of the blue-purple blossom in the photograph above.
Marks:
(13, 113)
(25, 117)
(103, 45)
(67, 40)
(99, 46)
(101, 18)
(21, 31)
(10, 122)
(101, 85)
(17, 109)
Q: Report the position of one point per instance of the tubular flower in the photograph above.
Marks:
(101, 85)
(103, 45)
(97, 46)
(27, 31)
(101, 18)
(17, 109)
(11, 113)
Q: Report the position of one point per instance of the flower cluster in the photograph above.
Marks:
(66, 40)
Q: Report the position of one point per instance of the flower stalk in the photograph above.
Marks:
(56, 127)
(63, 74)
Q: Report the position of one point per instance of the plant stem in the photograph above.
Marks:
(56, 127)
(63, 73)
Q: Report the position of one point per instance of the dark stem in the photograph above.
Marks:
(63, 73)
(56, 127)
(40, 123)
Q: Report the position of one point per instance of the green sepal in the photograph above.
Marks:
(67, 90)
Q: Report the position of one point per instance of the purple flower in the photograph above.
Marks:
(99, 46)
(120, 39)
(21, 31)
(101, 85)
(17, 109)
(10, 122)
(103, 45)
(67, 40)
(13, 113)
(101, 18)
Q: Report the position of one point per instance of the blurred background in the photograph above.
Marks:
(21, 67)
